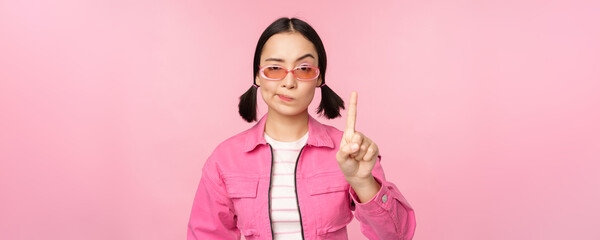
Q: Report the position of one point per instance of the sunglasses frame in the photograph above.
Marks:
(262, 73)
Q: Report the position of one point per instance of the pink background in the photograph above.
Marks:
(486, 112)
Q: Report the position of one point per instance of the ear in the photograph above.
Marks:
(257, 81)
(319, 81)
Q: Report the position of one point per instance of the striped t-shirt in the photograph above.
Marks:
(285, 217)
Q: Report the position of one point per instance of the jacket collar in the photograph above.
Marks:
(317, 134)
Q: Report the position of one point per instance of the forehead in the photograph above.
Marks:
(288, 46)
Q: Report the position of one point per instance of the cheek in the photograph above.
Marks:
(266, 89)
(309, 94)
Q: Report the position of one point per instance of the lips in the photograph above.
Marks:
(285, 97)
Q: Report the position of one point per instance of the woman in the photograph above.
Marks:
(280, 178)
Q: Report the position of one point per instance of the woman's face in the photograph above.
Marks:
(288, 96)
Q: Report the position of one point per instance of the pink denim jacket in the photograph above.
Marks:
(233, 193)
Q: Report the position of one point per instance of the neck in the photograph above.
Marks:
(286, 128)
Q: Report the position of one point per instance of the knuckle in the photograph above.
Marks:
(348, 134)
(359, 136)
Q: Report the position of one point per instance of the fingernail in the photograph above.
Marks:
(354, 147)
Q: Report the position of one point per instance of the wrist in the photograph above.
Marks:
(361, 182)
(365, 189)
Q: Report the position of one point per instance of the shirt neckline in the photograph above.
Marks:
(292, 143)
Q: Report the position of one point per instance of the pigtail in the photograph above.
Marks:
(247, 105)
(330, 103)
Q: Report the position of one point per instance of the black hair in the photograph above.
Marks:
(330, 102)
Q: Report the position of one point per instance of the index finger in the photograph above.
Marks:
(351, 118)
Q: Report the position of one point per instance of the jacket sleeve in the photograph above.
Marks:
(387, 215)
(212, 215)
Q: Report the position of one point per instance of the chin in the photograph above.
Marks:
(289, 111)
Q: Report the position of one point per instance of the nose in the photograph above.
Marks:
(289, 81)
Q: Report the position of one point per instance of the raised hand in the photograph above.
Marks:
(357, 153)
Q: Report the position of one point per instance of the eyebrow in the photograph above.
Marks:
(281, 60)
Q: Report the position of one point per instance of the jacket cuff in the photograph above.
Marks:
(380, 202)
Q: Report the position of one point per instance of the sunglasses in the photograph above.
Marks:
(303, 72)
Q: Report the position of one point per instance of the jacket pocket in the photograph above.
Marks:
(242, 190)
(241, 186)
(329, 189)
(327, 182)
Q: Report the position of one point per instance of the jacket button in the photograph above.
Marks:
(384, 198)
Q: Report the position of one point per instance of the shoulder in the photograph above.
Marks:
(233, 143)
(335, 133)
(226, 151)
(324, 131)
